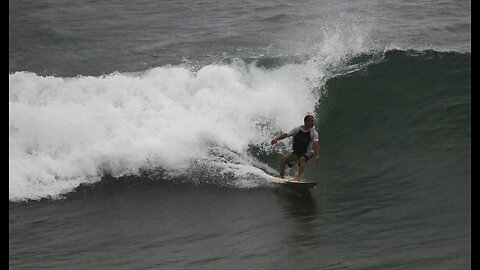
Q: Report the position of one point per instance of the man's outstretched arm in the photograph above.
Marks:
(279, 137)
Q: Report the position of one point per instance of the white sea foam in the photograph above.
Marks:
(68, 131)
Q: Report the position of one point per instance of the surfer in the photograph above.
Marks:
(305, 146)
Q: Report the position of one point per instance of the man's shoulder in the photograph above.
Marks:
(294, 131)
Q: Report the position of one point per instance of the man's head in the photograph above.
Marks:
(309, 121)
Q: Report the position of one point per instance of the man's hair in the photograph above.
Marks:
(308, 116)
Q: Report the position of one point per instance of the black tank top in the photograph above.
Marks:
(300, 142)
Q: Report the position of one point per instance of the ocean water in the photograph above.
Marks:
(139, 134)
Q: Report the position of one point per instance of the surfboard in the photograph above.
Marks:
(294, 183)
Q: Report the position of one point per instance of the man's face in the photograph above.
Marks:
(310, 122)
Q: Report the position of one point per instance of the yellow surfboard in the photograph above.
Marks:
(295, 183)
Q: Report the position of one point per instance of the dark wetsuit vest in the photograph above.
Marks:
(300, 142)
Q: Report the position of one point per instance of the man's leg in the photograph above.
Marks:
(301, 167)
(283, 165)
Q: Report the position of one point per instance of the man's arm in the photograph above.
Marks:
(316, 148)
(278, 138)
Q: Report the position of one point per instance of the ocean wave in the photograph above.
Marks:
(64, 132)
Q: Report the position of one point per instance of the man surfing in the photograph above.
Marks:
(305, 146)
